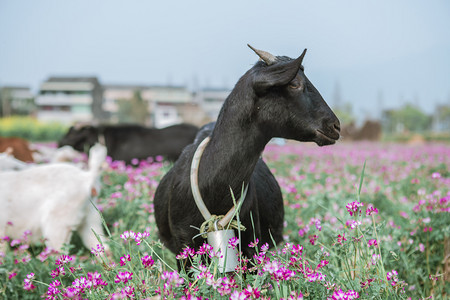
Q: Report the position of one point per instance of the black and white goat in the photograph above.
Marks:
(272, 99)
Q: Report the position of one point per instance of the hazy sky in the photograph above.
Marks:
(375, 53)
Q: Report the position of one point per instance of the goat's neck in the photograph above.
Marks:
(231, 155)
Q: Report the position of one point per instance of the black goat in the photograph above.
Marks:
(128, 141)
(273, 99)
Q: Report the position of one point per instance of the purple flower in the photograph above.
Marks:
(186, 253)
(353, 207)
(254, 244)
(98, 250)
(204, 249)
(147, 261)
(140, 236)
(63, 259)
(27, 282)
(53, 290)
(252, 292)
(233, 242)
(123, 277)
(340, 294)
(341, 239)
(236, 295)
(124, 259)
(128, 235)
(172, 279)
(372, 242)
(436, 175)
(391, 275)
(371, 210)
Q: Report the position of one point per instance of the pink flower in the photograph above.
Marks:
(316, 276)
(127, 292)
(254, 244)
(140, 236)
(116, 195)
(425, 229)
(318, 225)
(233, 242)
(63, 259)
(172, 279)
(371, 210)
(353, 224)
(340, 294)
(252, 292)
(297, 250)
(147, 261)
(12, 275)
(341, 239)
(392, 276)
(204, 249)
(128, 235)
(124, 259)
(265, 247)
(421, 247)
(186, 253)
(353, 207)
(436, 175)
(313, 239)
(372, 242)
(236, 295)
(322, 263)
(123, 277)
(98, 250)
(53, 290)
(375, 258)
(27, 282)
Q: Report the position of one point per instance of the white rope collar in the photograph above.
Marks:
(196, 192)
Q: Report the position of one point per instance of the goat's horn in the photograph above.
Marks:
(302, 55)
(268, 58)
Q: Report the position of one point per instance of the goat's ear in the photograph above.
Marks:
(278, 74)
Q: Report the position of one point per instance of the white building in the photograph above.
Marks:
(211, 101)
(70, 100)
(166, 104)
(113, 93)
(16, 100)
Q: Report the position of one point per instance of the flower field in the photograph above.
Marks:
(362, 221)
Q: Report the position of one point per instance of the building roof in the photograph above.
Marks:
(91, 79)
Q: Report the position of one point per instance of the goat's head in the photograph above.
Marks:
(287, 104)
(80, 138)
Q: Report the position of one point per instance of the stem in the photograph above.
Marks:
(428, 255)
(379, 252)
(159, 257)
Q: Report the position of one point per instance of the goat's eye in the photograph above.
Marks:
(295, 84)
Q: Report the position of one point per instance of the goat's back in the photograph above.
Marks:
(126, 143)
(32, 197)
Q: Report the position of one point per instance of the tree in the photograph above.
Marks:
(134, 110)
(408, 118)
(345, 114)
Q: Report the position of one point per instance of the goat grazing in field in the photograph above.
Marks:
(273, 99)
(128, 141)
(20, 148)
(51, 201)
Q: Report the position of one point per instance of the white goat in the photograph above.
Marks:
(52, 201)
(9, 162)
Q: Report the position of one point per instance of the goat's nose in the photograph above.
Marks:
(337, 126)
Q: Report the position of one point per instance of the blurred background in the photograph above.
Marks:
(383, 66)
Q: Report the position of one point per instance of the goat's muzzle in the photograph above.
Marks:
(328, 135)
